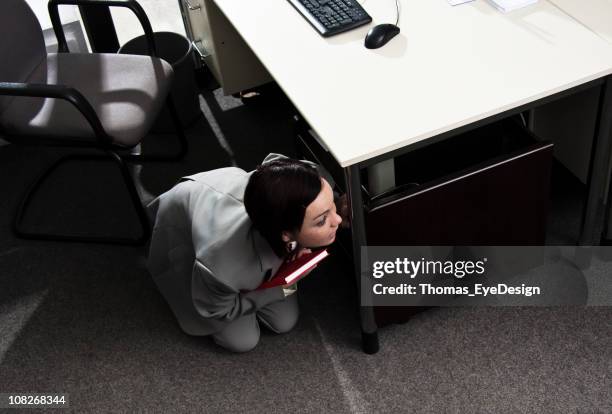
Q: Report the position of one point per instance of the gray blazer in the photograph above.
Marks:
(205, 256)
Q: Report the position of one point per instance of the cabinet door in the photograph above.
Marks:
(505, 203)
(228, 57)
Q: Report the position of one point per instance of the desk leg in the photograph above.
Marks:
(598, 174)
(369, 330)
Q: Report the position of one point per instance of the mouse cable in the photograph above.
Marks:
(397, 9)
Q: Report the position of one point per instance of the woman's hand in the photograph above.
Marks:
(306, 273)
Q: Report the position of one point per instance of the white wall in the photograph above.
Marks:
(164, 15)
(67, 13)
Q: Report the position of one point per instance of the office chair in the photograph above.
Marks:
(104, 102)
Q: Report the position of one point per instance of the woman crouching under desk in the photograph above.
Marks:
(219, 234)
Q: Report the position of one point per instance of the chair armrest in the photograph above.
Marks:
(130, 4)
(60, 92)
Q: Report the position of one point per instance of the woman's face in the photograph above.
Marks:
(320, 221)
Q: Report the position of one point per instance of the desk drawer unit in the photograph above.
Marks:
(489, 186)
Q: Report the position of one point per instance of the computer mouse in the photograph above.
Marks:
(378, 36)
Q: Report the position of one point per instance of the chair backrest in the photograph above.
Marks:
(22, 45)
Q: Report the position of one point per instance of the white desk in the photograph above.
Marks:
(594, 14)
(449, 69)
(450, 66)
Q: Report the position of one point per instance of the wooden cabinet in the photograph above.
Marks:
(221, 48)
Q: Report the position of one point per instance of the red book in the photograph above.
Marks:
(290, 271)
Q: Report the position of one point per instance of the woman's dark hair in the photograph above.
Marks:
(276, 198)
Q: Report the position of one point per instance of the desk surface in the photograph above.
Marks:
(449, 67)
(594, 14)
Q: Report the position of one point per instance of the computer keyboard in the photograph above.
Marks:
(330, 17)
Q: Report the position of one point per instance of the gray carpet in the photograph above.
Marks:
(87, 320)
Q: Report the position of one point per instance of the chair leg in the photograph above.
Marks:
(129, 183)
(180, 133)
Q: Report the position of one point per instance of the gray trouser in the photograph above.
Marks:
(242, 335)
